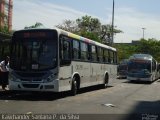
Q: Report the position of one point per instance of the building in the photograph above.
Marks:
(134, 42)
(6, 8)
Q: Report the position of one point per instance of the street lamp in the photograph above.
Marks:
(143, 31)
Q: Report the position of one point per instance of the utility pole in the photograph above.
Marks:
(112, 32)
(143, 31)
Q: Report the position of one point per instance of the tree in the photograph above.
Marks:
(4, 29)
(125, 50)
(150, 46)
(69, 26)
(36, 25)
(89, 24)
(89, 27)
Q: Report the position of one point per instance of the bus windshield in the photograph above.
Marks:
(136, 66)
(34, 52)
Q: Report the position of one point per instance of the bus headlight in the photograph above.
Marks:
(13, 78)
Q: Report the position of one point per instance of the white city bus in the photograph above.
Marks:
(142, 67)
(57, 60)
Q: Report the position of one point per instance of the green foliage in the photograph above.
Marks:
(68, 25)
(2, 15)
(89, 27)
(89, 24)
(36, 25)
(4, 30)
(125, 50)
(150, 46)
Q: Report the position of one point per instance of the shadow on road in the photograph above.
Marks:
(139, 82)
(145, 110)
(42, 96)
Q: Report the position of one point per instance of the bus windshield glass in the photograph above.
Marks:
(34, 50)
(136, 66)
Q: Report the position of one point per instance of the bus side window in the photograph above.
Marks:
(110, 56)
(76, 50)
(93, 53)
(84, 51)
(89, 52)
(106, 56)
(65, 51)
(100, 54)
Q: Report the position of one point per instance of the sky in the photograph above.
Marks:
(130, 15)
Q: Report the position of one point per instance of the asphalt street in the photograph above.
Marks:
(121, 98)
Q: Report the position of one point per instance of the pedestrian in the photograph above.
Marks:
(4, 72)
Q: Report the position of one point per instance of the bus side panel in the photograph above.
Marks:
(83, 69)
(97, 73)
(112, 71)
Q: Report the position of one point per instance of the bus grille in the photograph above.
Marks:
(139, 75)
(31, 80)
(31, 85)
(31, 77)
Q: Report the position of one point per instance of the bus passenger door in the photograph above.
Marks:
(65, 63)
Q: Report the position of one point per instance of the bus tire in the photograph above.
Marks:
(106, 79)
(74, 87)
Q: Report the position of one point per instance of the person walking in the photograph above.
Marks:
(4, 72)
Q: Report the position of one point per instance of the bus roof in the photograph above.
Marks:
(141, 57)
(69, 34)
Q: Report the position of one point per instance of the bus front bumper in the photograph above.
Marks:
(26, 86)
(138, 79)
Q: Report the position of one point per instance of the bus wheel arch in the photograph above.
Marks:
(106, 80)
(75, 85)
